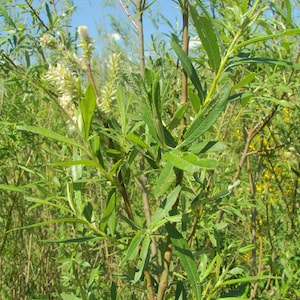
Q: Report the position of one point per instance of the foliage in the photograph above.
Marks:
(131, 178)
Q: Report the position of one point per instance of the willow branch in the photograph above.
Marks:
(129, 16)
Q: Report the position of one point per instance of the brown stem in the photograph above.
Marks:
(163, 283)
(140, 6)
(185, 48)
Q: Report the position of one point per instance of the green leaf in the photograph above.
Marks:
(88, 212)
(113, 291)
(74, 240)
(109, 212)
(208, 116)
(188, 161)
(178, 116)
(87, 106)
(248, 279)
(207, 35)
(188, 68)
(150, 123)
(135, 139)
(206, 269)
(246, 80)
(8, 19)
(121, 108)
(50, 134)
(49, 15)
(268, 37)
(283, 103)
(63, 220)
(207, 147)
(263, 60)
(143, 259)
(156, 98)
(133, 249)
(93, 277)
(166, 178)
(85, 162)
(195, 100)
(187, 260)
(247, 248)
(12, 188)
(69, 296)
(180, 293)
(163, 211)
(48, 202)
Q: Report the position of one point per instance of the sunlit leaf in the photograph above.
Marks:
(188, 161)
(166, 178)
(87, 106)
(208, 116)
(163, 210)
(207, 35)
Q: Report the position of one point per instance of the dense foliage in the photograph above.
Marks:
(163, 174)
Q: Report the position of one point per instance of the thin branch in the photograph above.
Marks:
(129, 16)
(36, 15)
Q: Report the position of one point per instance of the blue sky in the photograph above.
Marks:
(94, 14)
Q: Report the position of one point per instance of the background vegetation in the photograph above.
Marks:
(166, 174)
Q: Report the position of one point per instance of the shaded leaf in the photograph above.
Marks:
(109, 212)
(143, 259)
(188, 67)
(49, 134)
(133, 249)
(187, 260)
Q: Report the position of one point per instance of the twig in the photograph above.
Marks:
(129, 16)
(36, 15)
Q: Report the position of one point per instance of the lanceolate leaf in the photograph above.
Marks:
(85, 162)
(268, 37)
(208, 116)
(64, 220)
(163, 211)
(143, 259)
(188, 68)
(11, 188)
(109, 212)
(205, 30)
(188, 161)
(187, 260)
(264, 60)
(88, 105)
(165, 180)
(50, 134)
(133, 248)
